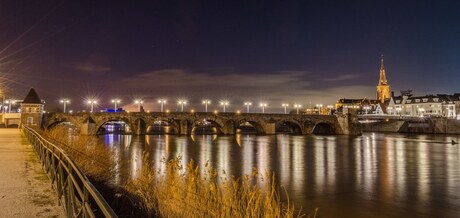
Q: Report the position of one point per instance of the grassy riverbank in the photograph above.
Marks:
(178, 191)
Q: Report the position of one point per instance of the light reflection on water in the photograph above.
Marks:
(371, 175)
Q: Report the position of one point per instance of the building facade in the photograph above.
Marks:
(31, 109)
(440, 105)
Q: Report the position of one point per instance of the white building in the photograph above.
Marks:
(429, 105)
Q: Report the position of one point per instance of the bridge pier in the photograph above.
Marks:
(140, 127)
(185, 127)
(269, 128)
(348, 124)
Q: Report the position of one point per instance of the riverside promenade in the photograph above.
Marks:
(25, 190)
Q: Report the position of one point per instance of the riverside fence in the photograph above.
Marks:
(76, 194)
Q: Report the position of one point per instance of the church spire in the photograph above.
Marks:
(383, 77)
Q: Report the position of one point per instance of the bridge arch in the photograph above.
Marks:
(207, 126)
(257, 125)
(323, 128)
(114, 125)
(162, 126)
(290, 126)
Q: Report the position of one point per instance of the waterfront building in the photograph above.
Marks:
(440, 105)
(369, 106)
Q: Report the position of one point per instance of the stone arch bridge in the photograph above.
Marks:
(226, 123)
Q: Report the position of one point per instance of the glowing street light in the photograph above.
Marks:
(115, 102)
(64, 102)
(92, 102)
(206, 102)
(297, 106)
(285, 107)
(330, 109)
(9, 102)
(247, 104)
(139, 103)
(162, 103)
(224, 104)
(182, 103)
(263, 105)
(319, 106)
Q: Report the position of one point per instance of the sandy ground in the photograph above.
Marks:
(25, 190)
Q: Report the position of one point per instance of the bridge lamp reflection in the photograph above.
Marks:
(206, 103)
(285, 107)
(139, 104)
(162, 103)
(92, 103)
(115, 102)
(64, 102)
(224, 104)
(297, 107)
(247, 104)
(182, 103)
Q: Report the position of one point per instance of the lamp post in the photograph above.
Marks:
(182, 103)
(319, 106)
(115, 102)
(162, 103)
(330, 109)
(206, 102)
(247, 104)
(297, 106)
(92, 102)
(263, 105)
(224, 104)
(10, 102)
(285, 107)
(65, 102)
(139, 103)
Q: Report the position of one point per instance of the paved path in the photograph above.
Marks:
(25, 190)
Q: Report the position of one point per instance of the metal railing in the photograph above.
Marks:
(76, 194)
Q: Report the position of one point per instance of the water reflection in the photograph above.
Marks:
(375, 174)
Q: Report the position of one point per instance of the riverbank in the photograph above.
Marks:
(422, 126)
(25, 190)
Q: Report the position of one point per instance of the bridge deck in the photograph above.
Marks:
(25, 190)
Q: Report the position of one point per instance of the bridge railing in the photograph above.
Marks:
(76, 194)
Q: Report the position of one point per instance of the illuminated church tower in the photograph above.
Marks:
(383, 89)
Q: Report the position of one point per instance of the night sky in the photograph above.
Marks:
(304, 52)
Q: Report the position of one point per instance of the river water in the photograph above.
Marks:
(373, 175)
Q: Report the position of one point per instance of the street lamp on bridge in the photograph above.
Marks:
(92, 102)
(263, 105)
(162, 103)
(330, 109)
(319, 106)
(139, 103)
(297, 106)
(285, 107)
(206, 102)
(64, 102)
(182, 103)
(115, 102)
(224, 104)
(247, 104)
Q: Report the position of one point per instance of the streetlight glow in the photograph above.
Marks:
(297, 106)
(224, 104)
(162, 103)
(247, 104)
(92, 102)
(285, 107)
(206, 103)
(64, 102)
(182, 103)
(263, 105)
(116, 102)
(139, 102)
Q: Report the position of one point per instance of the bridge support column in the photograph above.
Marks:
(229, 128)
(140, 128)
(88, 128)
(184, 127)
(349, 124)
(269, 128)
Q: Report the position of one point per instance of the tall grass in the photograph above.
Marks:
(182, 192)
(93, 159)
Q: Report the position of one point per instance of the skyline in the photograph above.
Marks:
(296, 52)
